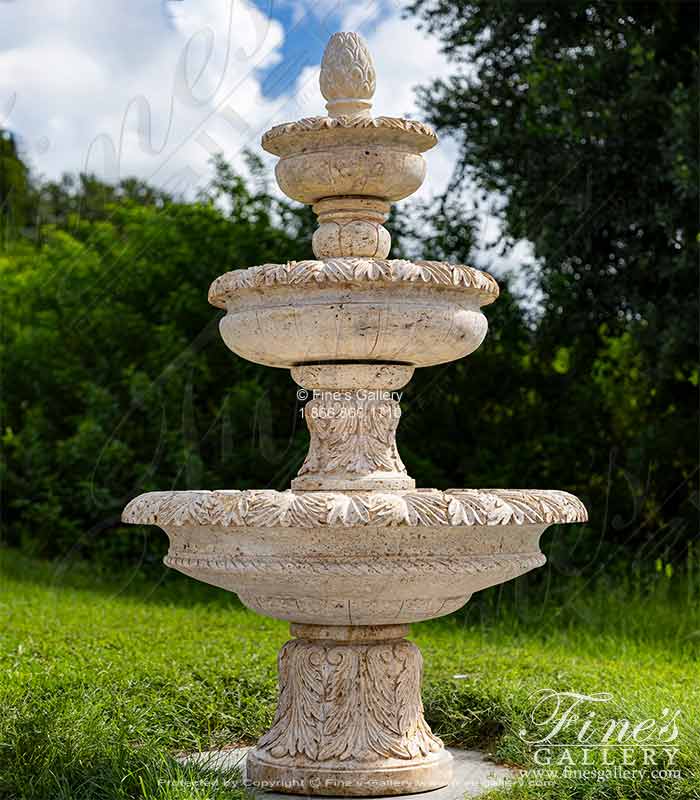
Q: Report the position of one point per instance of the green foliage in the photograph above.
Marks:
(116, 380)
(16, 191)
(105, 675)
(583, 117)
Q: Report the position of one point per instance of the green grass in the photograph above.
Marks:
(104, 678)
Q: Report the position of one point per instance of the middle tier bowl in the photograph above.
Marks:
(335, 558)
(354, 309)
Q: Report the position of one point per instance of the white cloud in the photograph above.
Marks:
(124, 88)
(152, 88)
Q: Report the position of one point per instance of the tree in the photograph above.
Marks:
(15, 188)
(115, 378)
(583, 116)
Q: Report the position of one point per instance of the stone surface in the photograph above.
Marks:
(354, 310)
(341, 169)
(347, 79)
(473, 774)
(355, 558)
(351, 226)
(354, 551)
(349, 712)
(368, 377)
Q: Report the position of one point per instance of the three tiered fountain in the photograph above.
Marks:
(353, 552)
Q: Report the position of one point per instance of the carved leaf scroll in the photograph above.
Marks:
(354, 271)
(356, 701)
(296, 729)
(356, 436)
(267, 508)
(271, 138)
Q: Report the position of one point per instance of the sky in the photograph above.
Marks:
(153, 88)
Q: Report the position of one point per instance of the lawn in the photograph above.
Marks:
(105, 677)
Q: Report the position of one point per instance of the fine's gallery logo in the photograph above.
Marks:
(572, 733)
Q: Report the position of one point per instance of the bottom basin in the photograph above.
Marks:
(355, 558)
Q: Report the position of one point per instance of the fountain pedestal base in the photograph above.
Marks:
(349, 718)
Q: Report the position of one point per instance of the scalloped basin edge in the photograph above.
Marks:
(332, 558)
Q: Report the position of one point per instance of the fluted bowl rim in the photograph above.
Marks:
(254, 508)
(352, 271)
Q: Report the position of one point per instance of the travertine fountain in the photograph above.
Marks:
(353, 552)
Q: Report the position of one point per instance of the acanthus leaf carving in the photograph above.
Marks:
(425, 509)
(297, 727)
(354, 271)
(268, 508)
(348, 510)
(343, 695)
(389, 509)
(233, 508)
(356, 436)
(347, 701)
(200, 509)
(286, 509)
(419, 739)
(274, 140)
(467, 508)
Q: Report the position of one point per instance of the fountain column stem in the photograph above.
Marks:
(352, 418)
(349, 717)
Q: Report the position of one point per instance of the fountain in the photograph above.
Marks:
(353, 552)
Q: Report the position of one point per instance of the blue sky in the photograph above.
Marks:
(306, 32)
(308, 26)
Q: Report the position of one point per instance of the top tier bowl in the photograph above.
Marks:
(324, 157)
(349, 152)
